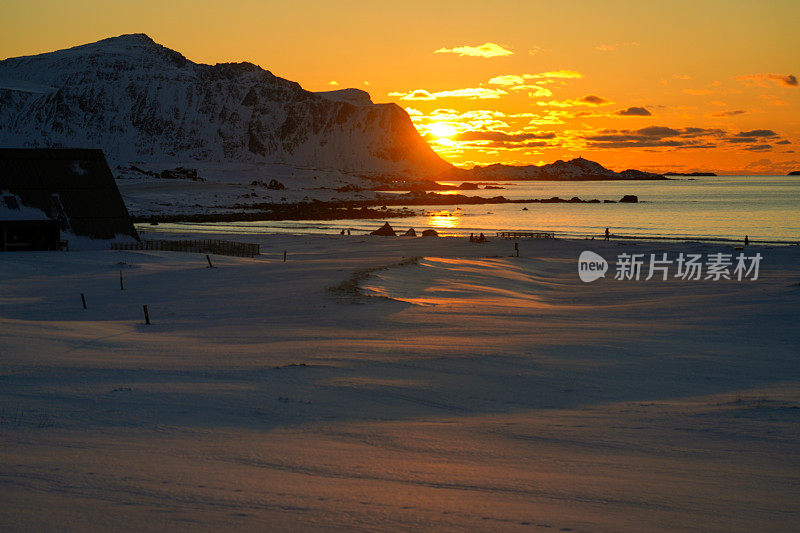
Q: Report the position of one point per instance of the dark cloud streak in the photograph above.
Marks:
(634, 112)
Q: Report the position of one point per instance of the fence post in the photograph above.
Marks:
(146, 315)
(83, 300)
(284, 256)
(209, 262)
(121, 285)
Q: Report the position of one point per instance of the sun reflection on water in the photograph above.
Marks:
(444, 219)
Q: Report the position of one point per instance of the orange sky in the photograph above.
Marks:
(682, 85)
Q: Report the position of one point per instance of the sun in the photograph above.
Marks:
(441, 130)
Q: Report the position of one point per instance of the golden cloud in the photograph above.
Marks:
(788, 80)
(534, 90)
(556, 74)
(520, 79)
(419, 94)
(484, 50)
(589, 99)
(472, 93)
(508, 79)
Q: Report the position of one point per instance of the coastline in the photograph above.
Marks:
(704, 209)
(144, 229)
(351, 209)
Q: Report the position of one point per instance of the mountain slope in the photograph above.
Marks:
(144, 103)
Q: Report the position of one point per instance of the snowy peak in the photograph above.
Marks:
(143, 103)
(128, 43)
(351, 96)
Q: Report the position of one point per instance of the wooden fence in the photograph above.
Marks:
(526, 234)
(203, 246)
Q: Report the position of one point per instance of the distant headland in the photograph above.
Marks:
(690, 173)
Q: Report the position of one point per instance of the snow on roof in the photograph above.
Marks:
(12, 208)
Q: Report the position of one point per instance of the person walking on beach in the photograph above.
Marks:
(746, 240)
(608, 235)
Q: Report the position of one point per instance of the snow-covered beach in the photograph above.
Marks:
(396, 384)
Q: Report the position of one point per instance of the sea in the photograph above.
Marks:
(705, 208)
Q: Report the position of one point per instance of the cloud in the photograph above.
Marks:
(556, 74)
(772, 99)
(413, 112)
(681, 76)
(729, 113)
(481, 119)
(512, 145)
(478, 114)
(593, 99)
(471, 93)
(757, 133)
(332, 82)
(784, 142)
(647, 143)
(511, 80)
(502, 136)
(478, 92)
(535, 50)
(683, 138)
(484, 50)
(766, 166)
(535, 90)
(760, 148)
(514, 83)
(551, 116)
(589, 99)
(517, 82)
(419, 94)
(655, 136)
(788, 80)
(508, 79)
(634, 112)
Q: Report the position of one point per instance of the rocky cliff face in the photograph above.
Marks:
(143, 103)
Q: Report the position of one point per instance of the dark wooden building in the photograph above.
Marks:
(25, 228)
(74, 187)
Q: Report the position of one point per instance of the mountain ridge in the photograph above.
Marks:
(142, 102)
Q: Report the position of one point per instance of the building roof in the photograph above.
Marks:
(81, 179)
(12, 208)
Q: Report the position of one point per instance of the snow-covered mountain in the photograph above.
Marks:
(143, 103)
(575, 169)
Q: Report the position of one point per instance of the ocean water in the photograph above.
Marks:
(705, 208)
